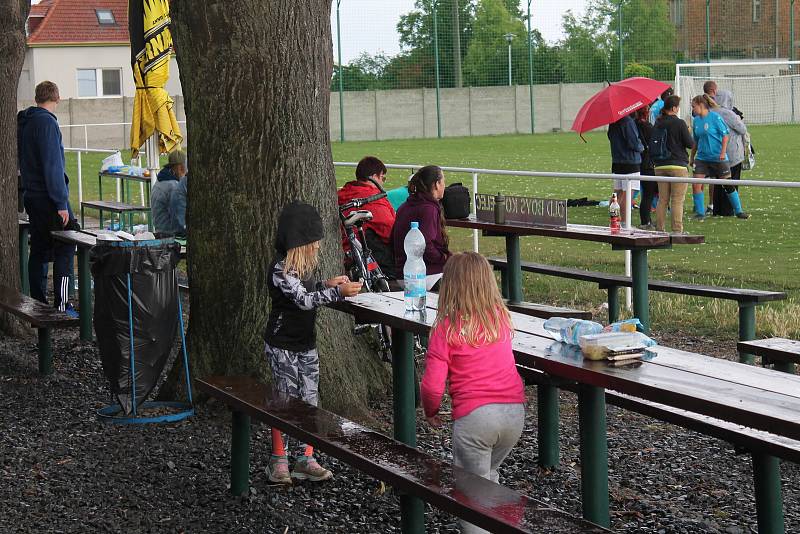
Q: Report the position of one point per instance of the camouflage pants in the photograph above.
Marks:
(297, 375)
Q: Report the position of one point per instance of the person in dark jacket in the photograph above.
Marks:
(291, 345)
(649, 189)
(426, 190)
(168, 197)
(679, 140)
(46, 196)
(626, 156)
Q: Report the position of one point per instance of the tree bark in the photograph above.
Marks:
(12, 56)
(255, 77)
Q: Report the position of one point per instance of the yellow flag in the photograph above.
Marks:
(151, 49)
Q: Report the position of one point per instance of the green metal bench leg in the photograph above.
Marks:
(613, 304)
(594, 454)
(747, 328)
(45, 352)
(23, 261)
(514, 269)
(769, 501)
(504, 282)
(85, 294)
(240, 453)
(547, 424)
(412, 511)
(641, 297)
(784, 367)
(83, 218)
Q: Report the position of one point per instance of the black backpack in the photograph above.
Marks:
(456, 201)
(658, 145)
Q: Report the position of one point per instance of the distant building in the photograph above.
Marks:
(739, 29)
(83, 46)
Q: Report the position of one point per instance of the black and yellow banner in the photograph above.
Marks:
(151, 49)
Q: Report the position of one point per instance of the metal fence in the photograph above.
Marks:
(440, 44)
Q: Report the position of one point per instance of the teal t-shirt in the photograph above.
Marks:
(708, 134)
(397, 196)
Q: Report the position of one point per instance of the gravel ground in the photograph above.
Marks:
(63, 471)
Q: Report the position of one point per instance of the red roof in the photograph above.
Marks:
(75, 22)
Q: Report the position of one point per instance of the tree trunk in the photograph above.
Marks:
(255, 78)
(12, 55)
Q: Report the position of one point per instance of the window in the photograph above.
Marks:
(105, 17)
(99, 82)
(676, 12)
(756, 10)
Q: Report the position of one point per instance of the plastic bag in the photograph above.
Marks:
(568, 330)
(114, 160)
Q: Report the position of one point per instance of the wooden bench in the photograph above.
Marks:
(41, 316)
(781, 352)
(415, 474)
(747, 299)
(120, 208)
(544, 311)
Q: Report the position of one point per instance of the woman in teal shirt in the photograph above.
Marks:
(709, 157)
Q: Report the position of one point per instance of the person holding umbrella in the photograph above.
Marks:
(626, 156)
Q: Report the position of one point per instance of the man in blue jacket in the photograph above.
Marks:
(46, 195)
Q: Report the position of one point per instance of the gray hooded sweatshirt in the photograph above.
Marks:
(735, 124)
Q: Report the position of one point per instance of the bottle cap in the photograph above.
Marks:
(415, 225)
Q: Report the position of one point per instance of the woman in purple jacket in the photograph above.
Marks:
(426, 189)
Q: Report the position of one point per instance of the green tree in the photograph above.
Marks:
(416, 31)
(365, 73)
(584, 50)
(487, 56)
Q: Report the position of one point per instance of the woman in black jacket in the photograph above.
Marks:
(678, 141)
(649, 189)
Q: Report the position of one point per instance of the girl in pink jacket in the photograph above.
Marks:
(470, 348)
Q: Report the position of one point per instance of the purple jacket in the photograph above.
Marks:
(425, 211)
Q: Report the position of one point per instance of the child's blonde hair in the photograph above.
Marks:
(302, 260)
(471, 303)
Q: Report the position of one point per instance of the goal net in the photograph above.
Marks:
(766, 92)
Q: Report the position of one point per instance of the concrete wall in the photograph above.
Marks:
(372, 115)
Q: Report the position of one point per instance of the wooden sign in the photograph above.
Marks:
(526, 210)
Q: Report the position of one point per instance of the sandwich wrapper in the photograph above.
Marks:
(615, 346)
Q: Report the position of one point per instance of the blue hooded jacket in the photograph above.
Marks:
(626, 147)
(168, 203)
(41, 156)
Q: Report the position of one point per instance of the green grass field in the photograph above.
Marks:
(763, 252)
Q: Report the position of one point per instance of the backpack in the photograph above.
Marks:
(456, 201)
(749, 153)
(658, 145)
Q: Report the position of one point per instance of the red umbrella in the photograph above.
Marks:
(616, 101)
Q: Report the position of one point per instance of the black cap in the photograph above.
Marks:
(299, 224)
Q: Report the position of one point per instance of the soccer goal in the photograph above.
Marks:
(766, 92)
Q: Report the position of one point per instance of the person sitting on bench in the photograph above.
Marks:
(379, 229)
(470, 348)
(168, 197)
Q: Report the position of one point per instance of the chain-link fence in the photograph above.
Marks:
(441, 48)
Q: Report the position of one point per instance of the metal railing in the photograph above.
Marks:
(86, 128)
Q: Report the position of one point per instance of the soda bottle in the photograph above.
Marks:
(613, 215)
(414, 269)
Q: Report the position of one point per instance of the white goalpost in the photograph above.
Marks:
(766, 92)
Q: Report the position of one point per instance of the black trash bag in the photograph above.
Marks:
(154, 313)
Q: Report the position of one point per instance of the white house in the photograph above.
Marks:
(82, 46)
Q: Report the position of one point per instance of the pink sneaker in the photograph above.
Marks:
(307, 468)
(278, 470)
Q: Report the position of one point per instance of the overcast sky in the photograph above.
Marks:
(370, 25)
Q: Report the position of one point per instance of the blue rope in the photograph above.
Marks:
(130, 331)
(183, 348)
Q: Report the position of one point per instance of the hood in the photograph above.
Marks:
(32, 114)
(166, 174)
(299, 224)
(724, 99)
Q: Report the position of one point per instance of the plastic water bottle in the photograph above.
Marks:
(614, 215)
(414, 269)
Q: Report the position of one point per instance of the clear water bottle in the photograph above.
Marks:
(414, 269)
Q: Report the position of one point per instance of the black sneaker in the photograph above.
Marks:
(743, 215)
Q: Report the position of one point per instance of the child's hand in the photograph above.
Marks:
(336, 281)
(350, 289)
(434, 421)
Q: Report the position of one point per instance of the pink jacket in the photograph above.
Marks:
(477, 375)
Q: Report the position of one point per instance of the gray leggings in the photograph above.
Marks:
(483, 439)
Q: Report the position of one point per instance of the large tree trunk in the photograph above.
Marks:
(255, 77)
(13, 14)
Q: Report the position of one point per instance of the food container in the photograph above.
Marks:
(602, 346)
